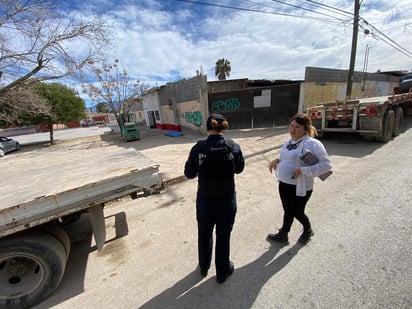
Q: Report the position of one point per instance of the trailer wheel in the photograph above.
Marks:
(398, 121)
(32, 265)
(388, 127)
(59, 233)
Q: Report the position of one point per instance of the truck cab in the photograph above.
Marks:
(405, 83)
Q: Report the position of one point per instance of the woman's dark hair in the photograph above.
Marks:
(219, 125)
(305, 121)
(216, 122)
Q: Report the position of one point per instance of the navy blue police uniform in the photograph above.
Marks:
(216, 203)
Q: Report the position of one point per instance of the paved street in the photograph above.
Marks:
(65, 134)
(358, 258)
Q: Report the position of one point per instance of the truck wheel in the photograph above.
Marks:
(32, 265)
(388, 127)
(59, 233)
(398, 121)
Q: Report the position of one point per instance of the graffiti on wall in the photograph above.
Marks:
(194, 118)
(228, 105)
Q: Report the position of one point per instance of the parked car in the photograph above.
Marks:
(91, 122)
(7, 145)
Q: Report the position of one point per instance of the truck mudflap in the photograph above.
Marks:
(98, 225)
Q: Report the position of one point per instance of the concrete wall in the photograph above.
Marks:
(227, 85)
(257, 107)
(326, 85)
(190, 115)
(137, 109)
(183, 104)
(151, 106)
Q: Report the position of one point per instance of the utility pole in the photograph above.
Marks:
(353, 52)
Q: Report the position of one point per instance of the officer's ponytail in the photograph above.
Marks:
(217, 122)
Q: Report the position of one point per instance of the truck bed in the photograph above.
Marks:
(38, 187)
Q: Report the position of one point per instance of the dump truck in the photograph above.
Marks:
(377, 118)
(41, 195)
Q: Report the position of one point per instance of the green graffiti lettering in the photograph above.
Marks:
(194, 117)
(228, 105)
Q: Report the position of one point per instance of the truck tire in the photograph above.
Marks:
(32, 265)
(388, 126)
(398, 121)
(59, 233)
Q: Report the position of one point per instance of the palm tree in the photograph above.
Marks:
(222, 69)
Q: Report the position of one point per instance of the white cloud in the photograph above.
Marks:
(159, 45)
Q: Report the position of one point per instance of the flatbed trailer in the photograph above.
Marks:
(380, 118)
(39, 195)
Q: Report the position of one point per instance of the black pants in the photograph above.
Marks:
(293, 206)
(210, 213)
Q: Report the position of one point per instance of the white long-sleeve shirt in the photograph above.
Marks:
(288, 162)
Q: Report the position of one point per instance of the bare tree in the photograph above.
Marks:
(38, 43)
(18, 102)
(115, 88)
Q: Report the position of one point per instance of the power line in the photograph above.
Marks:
(331, 18)
(302, 8)
(296, 6)
(259, 11)
(388, 40)
(330, 8)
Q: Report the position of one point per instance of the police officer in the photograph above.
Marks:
(215, 161)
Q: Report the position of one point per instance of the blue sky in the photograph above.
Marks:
(166, 40)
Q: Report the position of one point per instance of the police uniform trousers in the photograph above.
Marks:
(211, 212)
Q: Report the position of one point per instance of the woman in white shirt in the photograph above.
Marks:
(295, 179)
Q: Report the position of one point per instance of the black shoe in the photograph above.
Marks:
(282, 237)
(306, 236)
(229, 273)
(203, 272)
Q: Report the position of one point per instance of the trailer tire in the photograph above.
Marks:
(398, 121)
(32, 265)
(388, 126)
(59, 233)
